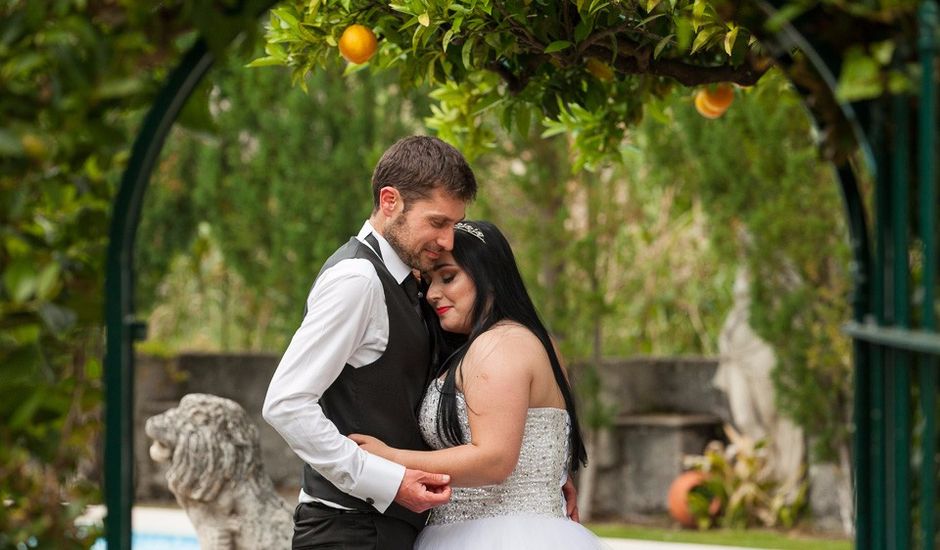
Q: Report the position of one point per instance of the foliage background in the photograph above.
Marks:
(255, 200)
(74, 78)
(623, 258)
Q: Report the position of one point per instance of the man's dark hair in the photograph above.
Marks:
(417, 165)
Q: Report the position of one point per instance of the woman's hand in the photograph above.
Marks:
(373, 445)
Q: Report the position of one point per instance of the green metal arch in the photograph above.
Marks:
(826, 67)
(123, 328)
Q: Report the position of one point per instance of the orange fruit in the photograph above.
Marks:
(357, 44)
(704, 108)
(718, 97)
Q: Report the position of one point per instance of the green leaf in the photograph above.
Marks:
(118, 88)
(466, 53)
(286, 15)
(583, 29)
(899, 82)
(698, 11)
(195, 114)
(23, 64)
(598, 5)
(447, 38)
(683, 33)
(883, 51)
(48, 281)
(505, 118)
(651, 18)
(654, 109)
(25, 334)
(741, 45)
(651, 5)
(20, 280)
(553, 128)
(729, 40)
(401, 8)
(557, 46)
(266, 62)
(860, 77)
(424, 19)
(93, 368)
(661, 45)
(701, 40)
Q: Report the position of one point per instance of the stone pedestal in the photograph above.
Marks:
(643, 455)
(667, 408)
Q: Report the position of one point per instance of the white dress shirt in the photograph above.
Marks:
(346, 323)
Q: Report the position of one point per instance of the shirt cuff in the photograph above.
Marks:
(378, 482)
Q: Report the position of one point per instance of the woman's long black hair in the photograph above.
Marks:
(501, 295)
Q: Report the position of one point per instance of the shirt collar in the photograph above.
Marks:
(393, 263)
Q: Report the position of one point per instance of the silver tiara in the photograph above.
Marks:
(467, 228)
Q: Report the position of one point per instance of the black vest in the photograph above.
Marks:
(380, 399)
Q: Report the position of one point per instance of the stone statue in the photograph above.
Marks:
(216, 474)
(745, 363)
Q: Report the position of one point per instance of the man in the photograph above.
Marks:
(360, 361)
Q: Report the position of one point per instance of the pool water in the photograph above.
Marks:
(152, 541)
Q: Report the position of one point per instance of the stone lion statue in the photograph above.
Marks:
(216, 474)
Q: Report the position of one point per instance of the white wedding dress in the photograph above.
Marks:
(527, 510)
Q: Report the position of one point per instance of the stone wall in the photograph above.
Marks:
(667, 408)
(648, 385)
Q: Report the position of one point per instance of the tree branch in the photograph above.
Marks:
(514, 83)
(640, 61)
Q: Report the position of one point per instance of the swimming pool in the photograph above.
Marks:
(153, 528)
(156, 541)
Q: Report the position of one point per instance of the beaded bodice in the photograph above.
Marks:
(534, 487)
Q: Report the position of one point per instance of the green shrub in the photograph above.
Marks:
(737, 477)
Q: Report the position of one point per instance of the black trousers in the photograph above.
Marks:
(324, 528)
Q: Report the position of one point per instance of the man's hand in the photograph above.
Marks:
(420, 491)
(571, 500)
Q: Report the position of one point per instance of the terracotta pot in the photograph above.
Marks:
(678, 497)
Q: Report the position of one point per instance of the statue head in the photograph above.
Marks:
(209, 442)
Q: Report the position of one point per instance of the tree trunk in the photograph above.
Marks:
(592, 434)
(587, 477)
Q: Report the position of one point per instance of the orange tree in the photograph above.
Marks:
(582, 67)
(586, 67)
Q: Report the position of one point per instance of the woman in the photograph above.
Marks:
(500, 416)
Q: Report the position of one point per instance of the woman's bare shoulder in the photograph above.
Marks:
(508, 334)
(506, 342)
